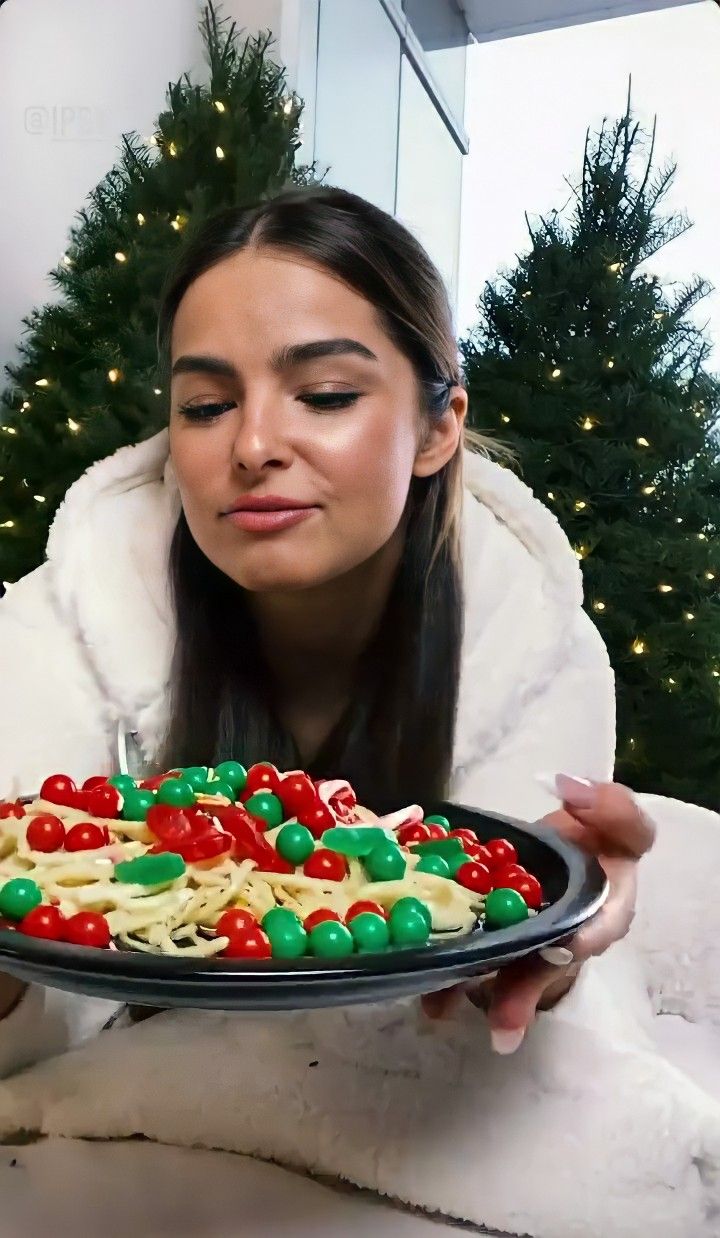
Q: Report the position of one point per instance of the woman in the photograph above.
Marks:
(303, 579)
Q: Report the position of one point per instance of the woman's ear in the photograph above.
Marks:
(443, 436)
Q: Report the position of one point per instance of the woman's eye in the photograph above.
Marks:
(331, 399)
(204, 412)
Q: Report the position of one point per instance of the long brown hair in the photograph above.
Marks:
(396, 740)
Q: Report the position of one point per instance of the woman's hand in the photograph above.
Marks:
(604, 820)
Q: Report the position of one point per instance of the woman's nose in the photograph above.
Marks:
(261, 441)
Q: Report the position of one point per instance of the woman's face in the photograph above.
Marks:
(294, 428)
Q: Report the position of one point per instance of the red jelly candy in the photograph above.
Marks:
(297, 794)
(263, 777)
(326, 864)
(319, 917)
(87, 928)
(45, 833)
(502, 852)
(85, 836)
(418, 832)
(59, 789)
(475, 877)
(252, 944)
(43, 921)
(104, 801)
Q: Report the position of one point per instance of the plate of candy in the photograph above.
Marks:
(252, 889)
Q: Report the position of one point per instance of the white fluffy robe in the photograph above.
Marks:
(588, 1131)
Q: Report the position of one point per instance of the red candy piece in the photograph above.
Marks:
(329, 865)
(59, 789)
(363, 905)
(207, 848)
(478, 852)
(317, 820)
(465, 836)
(252, 944)
(297, 794)
(249, 841)
(104, 801)
(86, 836)
(97, 781)
(234, 921)
(475, 877)
(87, 928)
(171, 825)
(319, 917)
(152, 784)
(263, 777)
(435, 831)
(502, 852)
(524, 883)
(16, 810)
(45, 833)
(43, 921)
(502, 877)
(418, 832)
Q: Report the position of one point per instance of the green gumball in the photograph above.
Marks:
(196, 776)
(176, 792)
(233, 773)
(504, 908)
(216, 787)
(19, 896)
(385, 862)
(123, 783)
(265, 806)
(370, 932)
(136, 804)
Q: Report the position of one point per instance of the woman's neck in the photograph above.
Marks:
(313, 640)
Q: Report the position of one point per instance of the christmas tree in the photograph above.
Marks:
(86, 382)
(597, 377)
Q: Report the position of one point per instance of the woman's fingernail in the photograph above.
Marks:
(559, 956)
(579, 792)
(504, 1041)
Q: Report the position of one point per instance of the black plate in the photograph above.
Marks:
(574, 883)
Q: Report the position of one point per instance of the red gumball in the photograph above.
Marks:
(475, 877)
(435, 831)
(363, 905)
(16, 810)
(417, 832)
(525, 884)
(235, 920)
(326, 864)
(273, 862)
(252, 944)
(297, 794)
(59, 789)
(263, 777)
(85, 836)
(319, 917)
(87, 928)
(504, 876)
(45, 833)
(465, 836)
(502, 852)
(43, 921)
(104, 801)
(317, 820)
(478, 852)
(96, 781)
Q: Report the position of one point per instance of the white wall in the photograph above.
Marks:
(529, 102)
(75, 75)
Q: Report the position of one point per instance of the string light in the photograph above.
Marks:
(642, 442)
(610, 363)
(716, 674)
(671, 682)
(556, 372)
(114, 375)
(175, 223)
(551, 495)
(589, 424)
(25, 406)
(616, 266)
(639, 646)
(599, 606)
(665, 588)
(43, 382)
(157, 390)
(9, 524)
(66, 260)
(580, 505)
(219, 105)
(702, 537)
(632, 743)
(649, 489)
(219, 152)
(689, 616)
(709, 575)
(9, 429)
(73, 426)
(678, 519)
(658, 315)
(39, 498)
(504, 417)
(120, 256)
(172, 150)
(525, 295)
(581, 552)
(140, 218)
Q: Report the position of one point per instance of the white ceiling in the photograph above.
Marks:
(499, 19)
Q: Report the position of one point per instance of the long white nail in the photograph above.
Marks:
(504, 1041)
(559, 956)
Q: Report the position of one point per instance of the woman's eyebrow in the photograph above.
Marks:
(282, 359)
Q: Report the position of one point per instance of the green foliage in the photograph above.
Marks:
(230, 141)
(597, 376)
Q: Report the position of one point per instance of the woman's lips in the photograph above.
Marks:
(270, 521)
